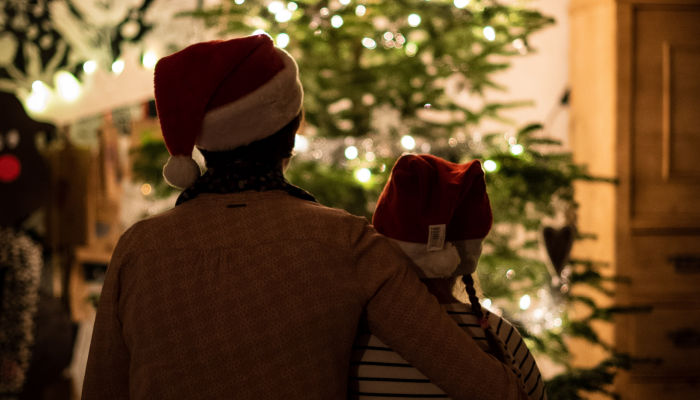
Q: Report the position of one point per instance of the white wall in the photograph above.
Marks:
(542, 76)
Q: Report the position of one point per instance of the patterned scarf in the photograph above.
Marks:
(233, 175)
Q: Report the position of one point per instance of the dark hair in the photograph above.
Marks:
(496, 346)
(269, 150)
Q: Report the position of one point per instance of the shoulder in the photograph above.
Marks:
(505, 330)
(322, 211)
(327, 222)
(248, 216)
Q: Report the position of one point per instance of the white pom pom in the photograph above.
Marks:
(181, 171)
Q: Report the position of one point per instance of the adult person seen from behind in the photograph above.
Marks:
(248, 288)
(438, 213)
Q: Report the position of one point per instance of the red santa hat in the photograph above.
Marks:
(428, 204)
(220, 95)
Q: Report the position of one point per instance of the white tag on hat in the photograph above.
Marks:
(436, 237)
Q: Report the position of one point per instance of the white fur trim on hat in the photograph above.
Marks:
(447, 262)
(256, 115)
(181, 171)
(433, 264)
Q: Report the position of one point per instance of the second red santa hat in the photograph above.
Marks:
(220, 95)
(429, 202)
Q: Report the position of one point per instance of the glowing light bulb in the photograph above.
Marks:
(400, 39)
(408, 142)
(38, 86)
(489, 33)
(363, 175)
(68, 87)
(414, 20)
(369, 43)
(360, 10)
(525, 302)
(282, 40)
(292, 6)
(490, 166)
(275, 7)
(146, 189)
(38, 99)
(239, 2)
(538, 313)
(351, 152)
(336, 21)
(486, 303)
(149, 59)
(517, 149)
(370, 156)
(461, 3)
(90, 67)
(301, 143)
(344, 2)
(411, 49)
(118, 66)
(283, 15)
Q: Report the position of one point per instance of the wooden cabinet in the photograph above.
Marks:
(635, 116)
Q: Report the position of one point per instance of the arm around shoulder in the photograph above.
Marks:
(402, 313)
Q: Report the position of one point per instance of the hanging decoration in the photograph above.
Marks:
(558, 242)
(20, 269)
(97, 29)
(46, 45)
(31, 49)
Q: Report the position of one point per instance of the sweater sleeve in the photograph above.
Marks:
(107, 372)
(401, 312)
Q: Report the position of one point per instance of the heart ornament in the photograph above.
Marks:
(558, 243)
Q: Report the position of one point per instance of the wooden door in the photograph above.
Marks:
(661, 250)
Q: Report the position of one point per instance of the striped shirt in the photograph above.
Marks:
(377, 372)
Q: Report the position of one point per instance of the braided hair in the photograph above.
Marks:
(496, 346)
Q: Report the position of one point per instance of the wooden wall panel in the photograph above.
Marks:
(666, 121)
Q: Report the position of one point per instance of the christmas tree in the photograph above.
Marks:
(382, 78)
